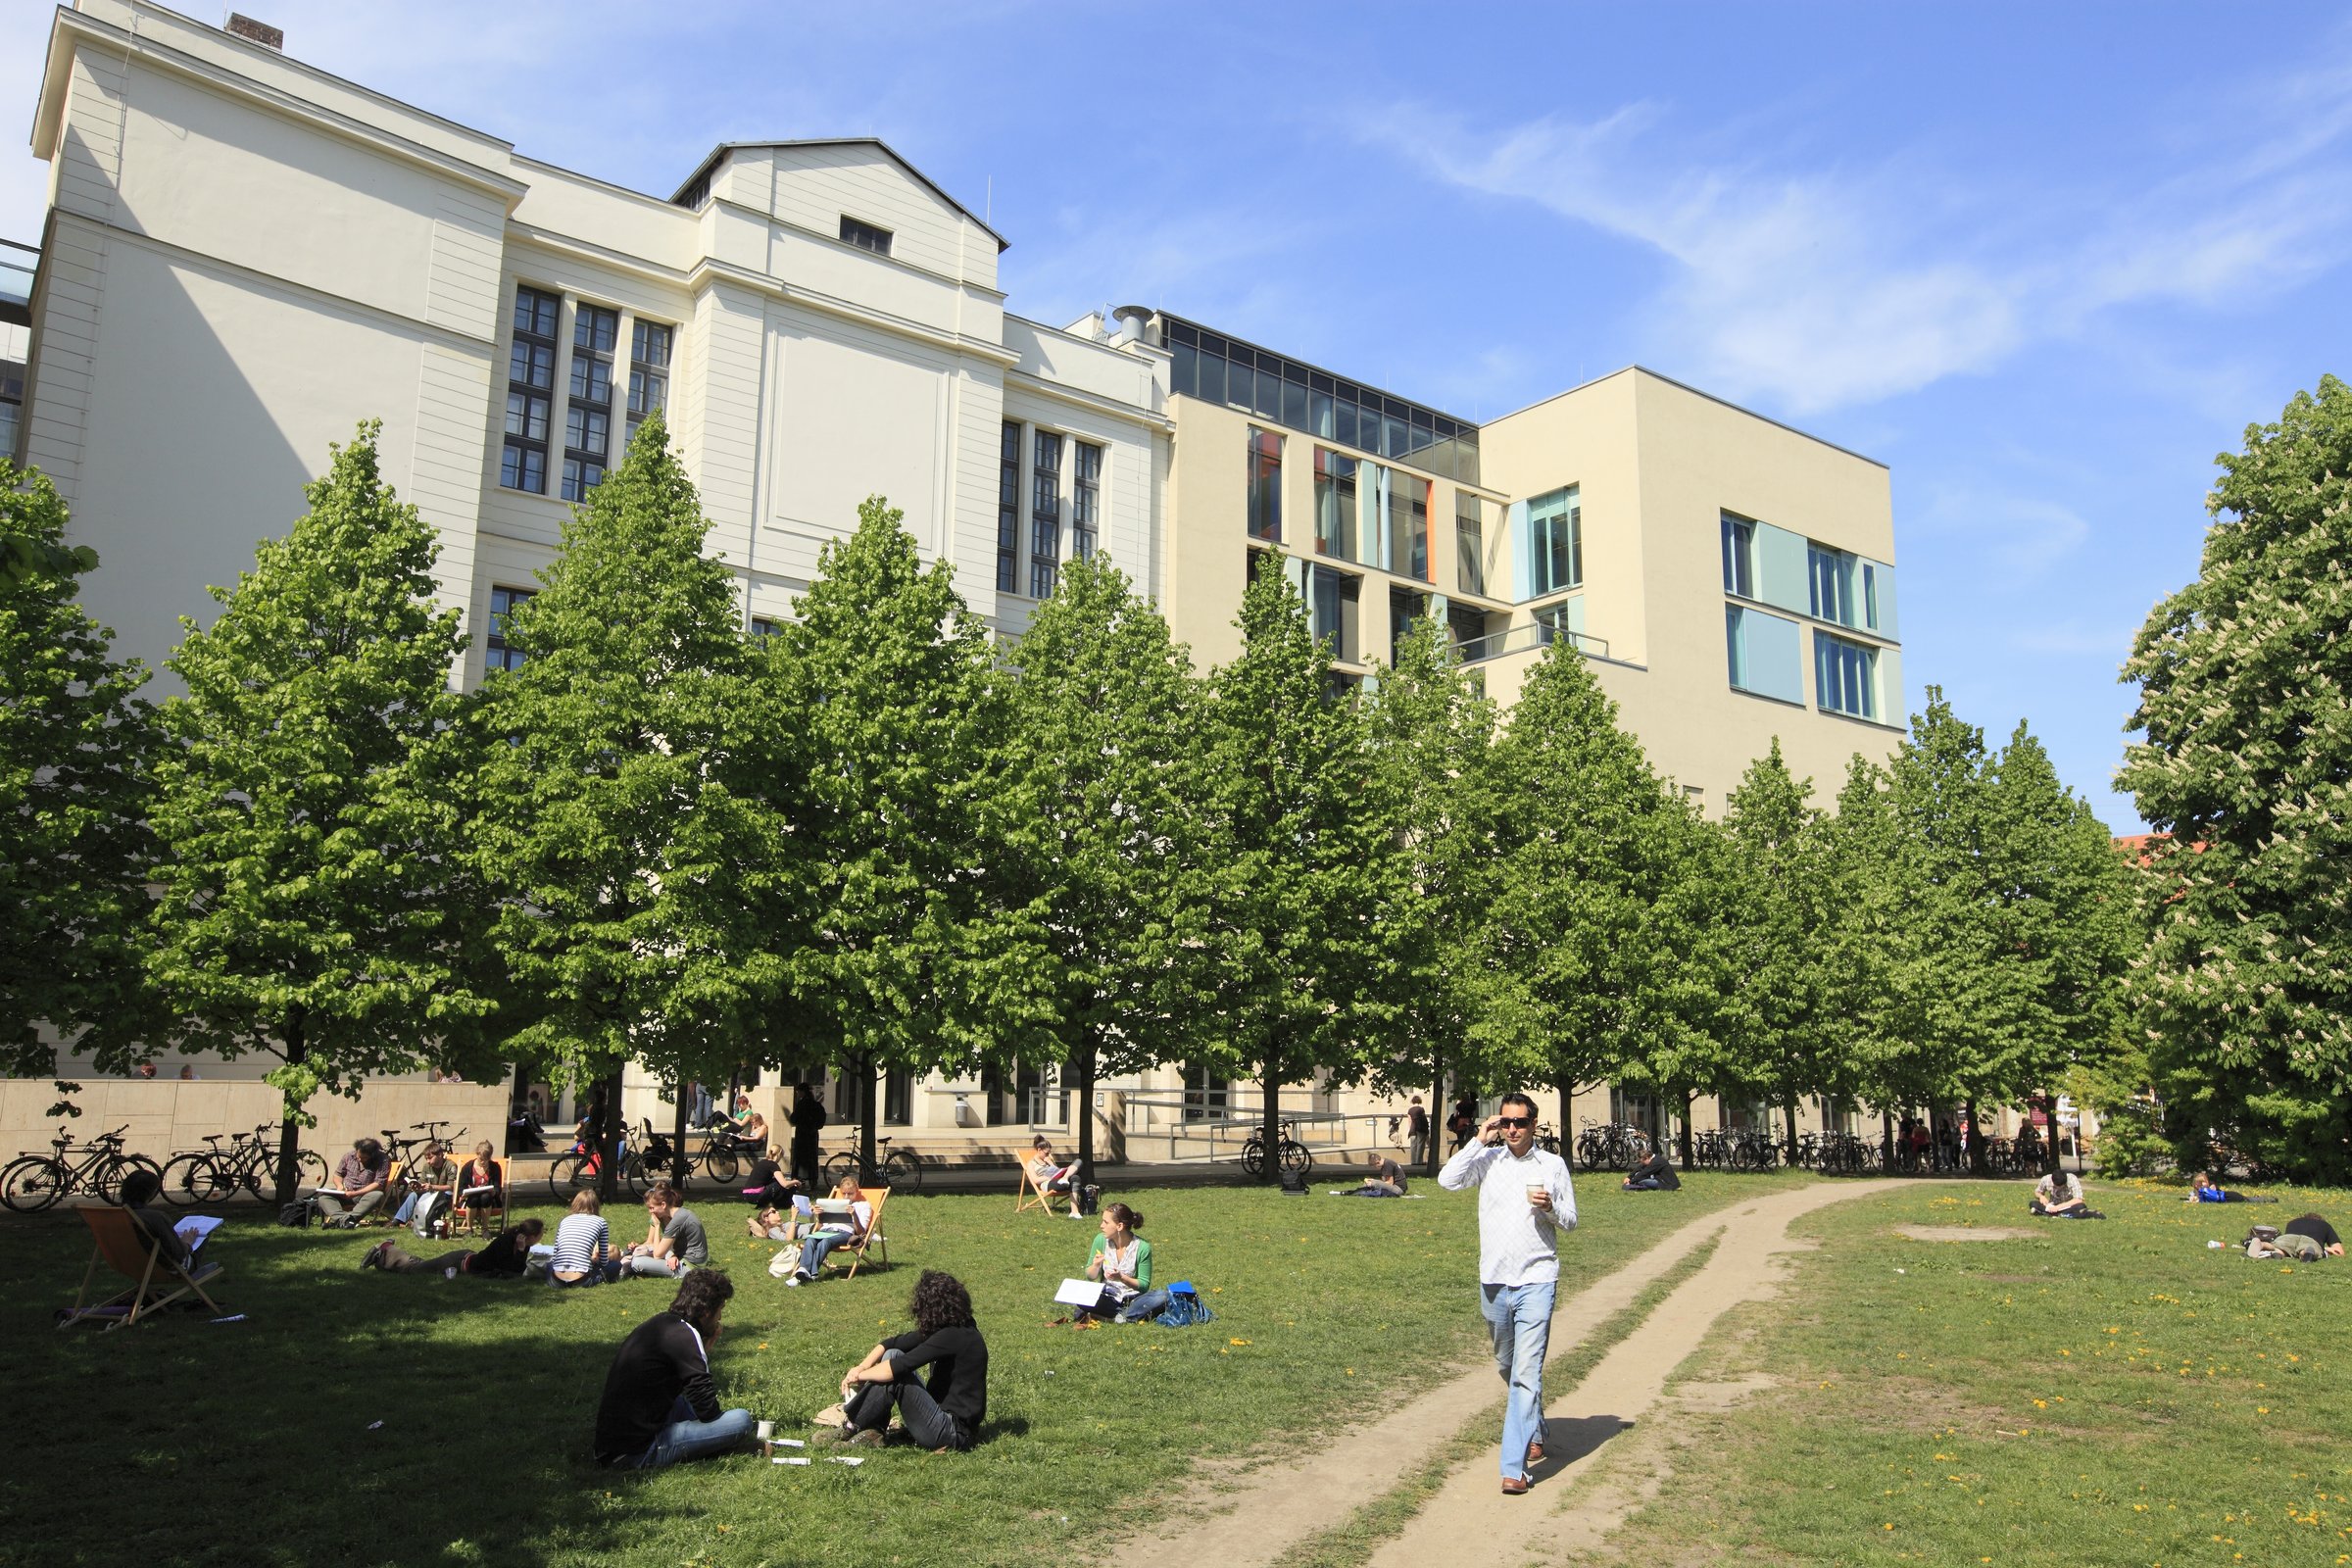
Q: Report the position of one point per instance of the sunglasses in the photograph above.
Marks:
(1514, 1121)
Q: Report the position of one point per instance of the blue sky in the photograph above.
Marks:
(2043, 261)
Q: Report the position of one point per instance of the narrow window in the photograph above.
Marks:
(1555, 542)
(866, 236)
(588, 417)
(1408, 525)
(648, 371)
(530, 385)
(1738, 557)
(1335, 505)
(1832, 582)
(1045, 515)
(1086, 501)
(1265, 485)
(1469, 543)
(1845, 676)
(1008, 510)
(1332, 598)
(497, 652)
(1736, 655)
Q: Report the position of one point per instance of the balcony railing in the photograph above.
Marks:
(1528, 635)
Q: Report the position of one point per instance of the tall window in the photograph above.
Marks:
(1086, 499)
(1469, 543)
(1408, 525)
(12, 405)
(1008, 509)
(1734, 647)
(1335, 505)
(1406, 607)
(1832, 572)
(1555, 540)
(588, 418)
(530, 384)
(648, 371)
(497, 652)
(1044, 515)
(1332, 602)
(1265, 485)
(1845, 676)
(1738, 557)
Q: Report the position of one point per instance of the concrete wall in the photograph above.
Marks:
(169, 1115)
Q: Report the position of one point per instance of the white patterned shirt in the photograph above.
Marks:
(1518, 1244)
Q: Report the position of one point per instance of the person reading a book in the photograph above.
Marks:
(432, 1171)
(141, 1190)
(479, 1183)
(362, 1183)
(842, 1219)
(1049, 1173)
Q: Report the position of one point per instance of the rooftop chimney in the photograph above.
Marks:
(260, 32)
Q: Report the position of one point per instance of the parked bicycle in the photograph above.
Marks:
(1613, 1146)
(33, 1182)
(1292, 1154)
(212, 1175)
(900, 1169)
(726, 1153)
(1548, 1138)
(584, 1168)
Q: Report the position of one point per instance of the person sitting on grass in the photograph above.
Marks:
(2206, 1189)
(1049, 1173)
(673, 1239)
(830, 1233)
(768, 1187)
(2059, 1196)
(1121, 1262)
(1653, 1172)
(1383, 1178)
(504, 1257)
(583, 1244)
(2313, 1226)
(360, 1184)
(659, 1405)
(943, 1413)
(141, 1190)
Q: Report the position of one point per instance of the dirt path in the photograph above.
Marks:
(1266, 1511)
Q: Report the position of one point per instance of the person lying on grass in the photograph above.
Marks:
(2307, 1239)
(1121, 1262)
(1653, 1172)
(778, 1224)
(504, 1257)
(943, 1413)
(2059, 1196)
(847, 1230)
(659, 1404)
(2205, 1188)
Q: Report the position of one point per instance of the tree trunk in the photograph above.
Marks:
(1887, 1140)
(2049, 1134)
(1567, 1089)
(1269, 1121)
(289, 1132)
(608, 1138)
(1789, 1110)
(1084, 1061)
(1975, 1139)
(866, 1111)
(1437, 1107)
(1690, 1140)
(678, 1163)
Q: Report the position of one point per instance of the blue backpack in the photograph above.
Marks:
(1184, 1307)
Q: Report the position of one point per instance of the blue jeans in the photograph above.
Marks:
(1519, 1322)
(685, 1437)
(814, 1249)
(1146, 1306)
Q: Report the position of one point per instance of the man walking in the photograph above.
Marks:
(1416, 1131)
(1524, 1202)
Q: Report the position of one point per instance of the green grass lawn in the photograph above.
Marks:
(253, 1442)
(2105, 1393)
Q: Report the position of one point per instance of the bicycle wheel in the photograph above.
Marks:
(903, 1172)
(640, 1179)
(197, 1178)
(1295, 1156)
(33, 1183)
(1253, 1157)
(310, 1169)
(721, 1160)
(108, 1178)
(568, 1175)
(840, 1168)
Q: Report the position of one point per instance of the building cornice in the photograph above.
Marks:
(711, 270)
(1092, 402)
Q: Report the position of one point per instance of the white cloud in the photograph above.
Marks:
(1816, 288)
(2025, 537)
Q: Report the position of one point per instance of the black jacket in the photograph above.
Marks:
(957, 1357)
(661, 1360)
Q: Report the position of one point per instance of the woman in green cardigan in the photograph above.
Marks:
(1123, 1261)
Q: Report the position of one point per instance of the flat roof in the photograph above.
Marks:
(1697, 392)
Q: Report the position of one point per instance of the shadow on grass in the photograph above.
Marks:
(1568, 1438)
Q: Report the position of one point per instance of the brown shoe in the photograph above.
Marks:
(1535, 1453)
(1515, 1486)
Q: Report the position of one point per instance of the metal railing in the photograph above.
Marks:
(1530, 634)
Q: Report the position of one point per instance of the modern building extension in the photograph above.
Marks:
(245, 255)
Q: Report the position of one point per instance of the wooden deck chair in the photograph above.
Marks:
(393, 1197)
(464, 1216)
(127, 1249)
(876, 1198)
(1030, 1196)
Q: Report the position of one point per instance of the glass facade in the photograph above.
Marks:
(1830, 574)
(1738, 557)
(1555, 542)
(1408, 523)
(1845, 676)
(1332, 602)
(1335, 504)
(1265, 485)
(1217, 369)
(1469, 543)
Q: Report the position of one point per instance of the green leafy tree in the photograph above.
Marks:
(614, 819)
(1866, 948)
(1303, 861)
(311, 902)
(1098, 823)
(75, 741)
(1780, 935)
(1431, 731)
(1580, 845)
(2245, 748)
(900, 938)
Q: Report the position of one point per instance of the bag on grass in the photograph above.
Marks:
(298, 1214)
(1184, 1307)
(1090, 1198)
(431, 1213)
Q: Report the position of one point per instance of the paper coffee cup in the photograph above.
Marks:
(1536, 1190)
(767, 1430)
